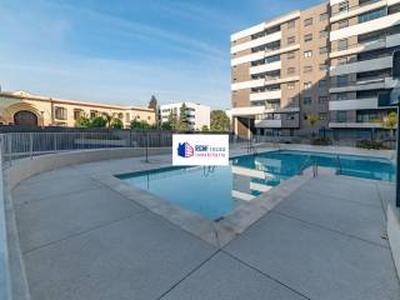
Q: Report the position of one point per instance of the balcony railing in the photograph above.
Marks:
(354, 7)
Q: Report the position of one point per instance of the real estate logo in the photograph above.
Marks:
(185, 150)
(200, 149)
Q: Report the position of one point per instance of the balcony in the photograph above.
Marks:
(358, 10)
(267, 95)
(268, 123)
(363, 85)
(382, 42)
(274, 66)
(247, 111)
(354, 125)
(354, 104)
(362, 66)
(247, 84)
(276, 36)
(366, 27)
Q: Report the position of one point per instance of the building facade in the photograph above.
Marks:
(197, 115)
(22, 108)
(328, 62)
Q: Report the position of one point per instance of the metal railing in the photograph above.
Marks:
(28, 144)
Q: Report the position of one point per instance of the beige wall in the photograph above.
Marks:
(45, 110)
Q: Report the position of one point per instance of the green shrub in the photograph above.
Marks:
(321, 141)
(369, 144)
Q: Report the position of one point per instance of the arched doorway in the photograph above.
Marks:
(25, 118)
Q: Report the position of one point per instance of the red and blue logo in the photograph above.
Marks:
(185, 150)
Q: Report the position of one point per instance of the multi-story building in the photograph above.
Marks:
(327, 62)
(22, 108)
(364, 35)
(197, 115)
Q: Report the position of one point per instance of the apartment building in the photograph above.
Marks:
(22, 108)
(364, 34)
(197, 115)
(327, 62)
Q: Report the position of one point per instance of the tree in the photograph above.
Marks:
(204, 128)
(183, 121)
(219, 121)
(109, 118)
(98, 122)
(391, 122)
(82, 122)
(166, 126)
(143, 125)
(312, 119)
(117, 124)
(173, 121)
(153, 103)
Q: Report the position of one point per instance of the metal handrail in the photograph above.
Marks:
(305, 165)
(338, 165)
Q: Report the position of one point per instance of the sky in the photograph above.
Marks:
(124, 51)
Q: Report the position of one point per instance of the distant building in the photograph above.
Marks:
(22, 108)
(198, 115)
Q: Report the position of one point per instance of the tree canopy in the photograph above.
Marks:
(219, 121)
(182, 121)
(153, 102)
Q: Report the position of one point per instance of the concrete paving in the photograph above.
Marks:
(82, 240)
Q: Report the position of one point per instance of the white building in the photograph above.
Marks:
(197, 115)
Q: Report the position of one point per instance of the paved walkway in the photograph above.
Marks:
(81, 240)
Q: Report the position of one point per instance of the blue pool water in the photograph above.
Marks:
(215, 191)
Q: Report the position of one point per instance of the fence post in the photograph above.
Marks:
(55, 142)
(31, 145)
(9, 149)
(147, 147)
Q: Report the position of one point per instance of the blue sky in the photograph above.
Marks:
(124, 51)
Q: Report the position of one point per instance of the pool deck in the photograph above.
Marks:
(82, 240)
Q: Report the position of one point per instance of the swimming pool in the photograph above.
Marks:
(213, 192)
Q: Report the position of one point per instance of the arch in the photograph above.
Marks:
(25, 118)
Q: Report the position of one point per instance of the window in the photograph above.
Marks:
(291, 55)
(323, 34)
(341, 96)
(323, 16)
(372, 15)
(307, 85)
(78, 113)
(127, 117)
(323, 50)
(308, 22)
(308, 53)
(291, 86)
(273, 59)
(308, 69)
(343, 24)
(291, 24)
(323, 67)
(291, 40)
(342, 44)
(93, 114)
(291, 70)
(308, 38)
(342, 61)
(342, 116)
(322, 99)
(322, 116)
(307, 100)
(120, 116)
(342, 80)
(344, 6)
(61, 113)
(322, 83)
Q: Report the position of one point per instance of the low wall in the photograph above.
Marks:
(25, 168)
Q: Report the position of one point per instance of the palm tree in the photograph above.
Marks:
(109, 118)
(391, 122)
